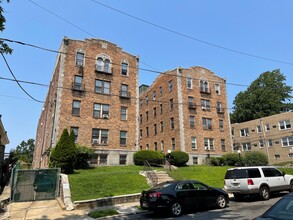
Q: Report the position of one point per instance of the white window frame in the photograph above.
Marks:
(246, 146)
(193, 143)
(285, 124)
(218, 89)
(189, 83)
(287, 141)
(209, 143)
(244, 132)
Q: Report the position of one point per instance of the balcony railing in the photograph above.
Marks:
(103, 69)
(205, 90)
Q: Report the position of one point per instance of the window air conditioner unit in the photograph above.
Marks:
(291, 150)
(96, 141)
(203, 108)
(105, 116)
(104, 142)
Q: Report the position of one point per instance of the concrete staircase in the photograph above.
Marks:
(162, 176)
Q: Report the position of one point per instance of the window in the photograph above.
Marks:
(147, 147)
(204, 86)
(102, 87)
(205, 104)
(100, 136)
(147, 116)
(146, 100)
(261, 143)
(155, 112)
(173, 144)
(124, 114)
(267, 127)
(155, 129)
(221, 125)
(194, 160)
(189, 83)
(284, 125)
(207, 123)
(246, 146)
(154, 95)
(124, 68)
(270, 142)
(100, 159)
(172, 123)
(79, 59)
(190, 102)
(161, 90)
(77, 82)
(219, 107)
(161, 109)
(287, 141)
(170, 86)
(76, 108)
(140, 103)
(223, 145)
(217, 89)
(101, 111)
(140, 118)
(171, 104)
(208, 143)
(147, 131)
(103, 64)
(290, 155)
(75, 131)
(124, 90)
(162, 126)
(155, 146)
(140, 133)
(244, 132)
(123, 138)
(191, 121)
(193, 143)
(122, 159)
(258, 129)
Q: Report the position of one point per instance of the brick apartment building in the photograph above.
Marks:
(185, 109)
(94, 92)
(272, 135)
(3, 140)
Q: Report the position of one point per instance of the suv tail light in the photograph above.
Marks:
(155, 195)
(250, 182)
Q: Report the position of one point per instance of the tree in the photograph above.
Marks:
(267, 95)
(84, 154)
(24, 151)
(63, 155)
(4, 48)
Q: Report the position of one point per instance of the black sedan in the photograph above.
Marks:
(179, 196)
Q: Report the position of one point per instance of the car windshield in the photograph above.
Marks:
(161, 186)
(282, 210)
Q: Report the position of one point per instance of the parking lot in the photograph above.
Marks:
(249, 208)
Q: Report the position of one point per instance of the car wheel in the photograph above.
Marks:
(176, 209)
(221, 202)
(264, 193)
(291, 186)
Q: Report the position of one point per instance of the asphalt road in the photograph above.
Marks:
(249, 208)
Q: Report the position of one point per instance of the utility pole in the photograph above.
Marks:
(265, 140)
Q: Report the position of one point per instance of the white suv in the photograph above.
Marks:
(256, 180)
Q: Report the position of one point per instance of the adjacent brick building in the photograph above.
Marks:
(272, 135)
(94, 92)
(186, 109)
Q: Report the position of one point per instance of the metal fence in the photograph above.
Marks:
(31, 185)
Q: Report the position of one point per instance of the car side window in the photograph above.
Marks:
(182, 186)
(199, 186)
(253, 173)
(268, 172)
(276, 172)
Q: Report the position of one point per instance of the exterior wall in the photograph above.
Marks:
(3, 141)
(183, 131)
(277, 152)
(58, 114)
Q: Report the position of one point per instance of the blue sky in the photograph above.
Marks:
(165, 34)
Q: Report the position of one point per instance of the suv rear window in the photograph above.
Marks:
(242, 173)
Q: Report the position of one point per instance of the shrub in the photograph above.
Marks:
(178, 158)
(255, 158)
(233, 159)
(154, 158)
(63, 155)
(217, 161)
(83, 155)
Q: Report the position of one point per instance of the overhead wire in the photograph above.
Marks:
(10, 70)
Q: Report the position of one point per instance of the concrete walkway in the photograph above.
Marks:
(51, 209)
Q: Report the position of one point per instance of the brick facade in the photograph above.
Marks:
(94, 91)
(194, 101)
(272, 135)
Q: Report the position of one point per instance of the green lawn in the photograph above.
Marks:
(120, 180)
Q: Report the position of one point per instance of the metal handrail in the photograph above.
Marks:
(150, 173)
(172, 172)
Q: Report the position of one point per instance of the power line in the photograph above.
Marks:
(18, 81)
(188, 36)
(90, 58)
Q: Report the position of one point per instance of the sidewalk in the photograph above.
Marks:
(51, 209)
